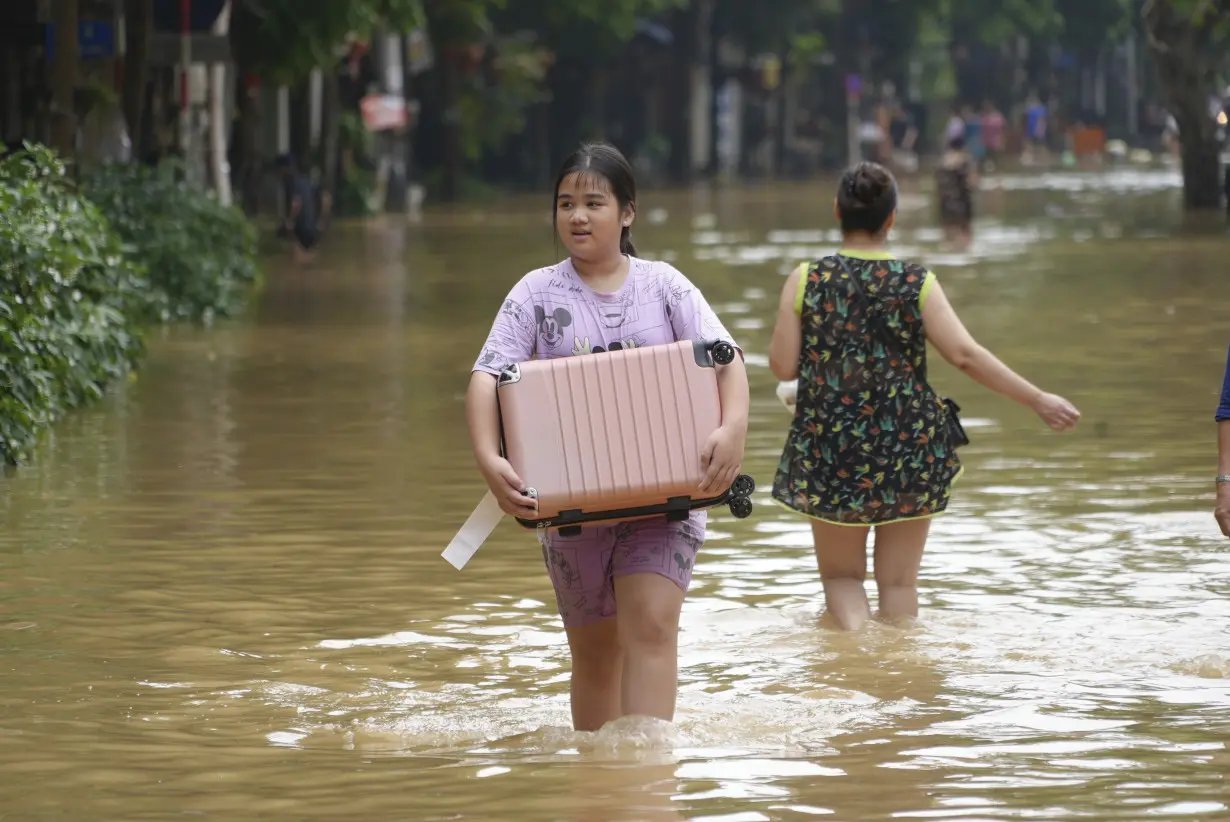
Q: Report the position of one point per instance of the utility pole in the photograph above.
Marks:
(854, 89)
(219, 123)
(391, 165)
(64, 79)
(185, 69)
(1133, 85)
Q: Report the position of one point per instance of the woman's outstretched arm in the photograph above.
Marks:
(956, 345)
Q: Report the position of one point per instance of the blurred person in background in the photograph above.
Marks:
(307, 209)
(955, 127)
(956, 177)
(993, 126)
(904, 130)
(974, 144)
(1036, 121)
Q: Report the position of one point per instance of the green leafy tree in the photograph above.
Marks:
(603, 24)
(1093, 24)
(796, 27)
(283, 40)
(1081, 26)
(523, 48)
(68, 298)
(995, 23)
(596, 27)
(460, 22)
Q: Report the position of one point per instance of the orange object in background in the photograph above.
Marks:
(1087, 140)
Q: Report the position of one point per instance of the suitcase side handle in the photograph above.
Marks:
(712, 351)
(706, 352)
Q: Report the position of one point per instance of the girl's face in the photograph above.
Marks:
(589, 218)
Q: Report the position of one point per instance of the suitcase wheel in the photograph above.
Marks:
(741, 507)
(570, 530)
(723, 353)
(743, 486)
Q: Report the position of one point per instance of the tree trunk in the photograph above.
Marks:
(331, 110)
(64, 79)
(700, 98)
(252, 157)
(678, 127)
(596, 115)
(12, 97)
(849, 61)
(786, 95)
(543, 163)
(1181, 55)
(1201, 160)
(138, 32)
(407, 84)
(450, 78)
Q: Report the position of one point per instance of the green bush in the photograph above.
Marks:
(67, 293)
(200, 255)
(84, 270)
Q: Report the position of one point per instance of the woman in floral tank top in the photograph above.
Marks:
(871, 443)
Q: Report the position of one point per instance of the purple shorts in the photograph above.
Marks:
(583, 567)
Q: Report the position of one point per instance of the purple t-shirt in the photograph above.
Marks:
(551, 313)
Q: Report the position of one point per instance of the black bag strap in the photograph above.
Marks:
(954, 421)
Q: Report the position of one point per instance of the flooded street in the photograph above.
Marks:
(221, 595)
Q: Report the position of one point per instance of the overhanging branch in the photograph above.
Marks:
(1150, 14)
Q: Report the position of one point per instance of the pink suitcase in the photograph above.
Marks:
(616, 435)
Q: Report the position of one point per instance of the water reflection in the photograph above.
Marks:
(221, 595)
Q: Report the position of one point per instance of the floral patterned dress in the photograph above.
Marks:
(869, 443)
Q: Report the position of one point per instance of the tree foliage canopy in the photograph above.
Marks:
(285, 39)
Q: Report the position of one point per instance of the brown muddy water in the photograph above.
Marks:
(221, 595)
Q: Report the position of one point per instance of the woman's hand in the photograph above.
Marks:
(1222, 511)
(721, 459)
(507, 488)
(1056, 412)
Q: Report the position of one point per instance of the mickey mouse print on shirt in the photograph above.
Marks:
(551, 326)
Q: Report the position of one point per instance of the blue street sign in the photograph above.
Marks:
(96, 38)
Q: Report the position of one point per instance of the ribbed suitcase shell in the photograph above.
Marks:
(610, 431)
